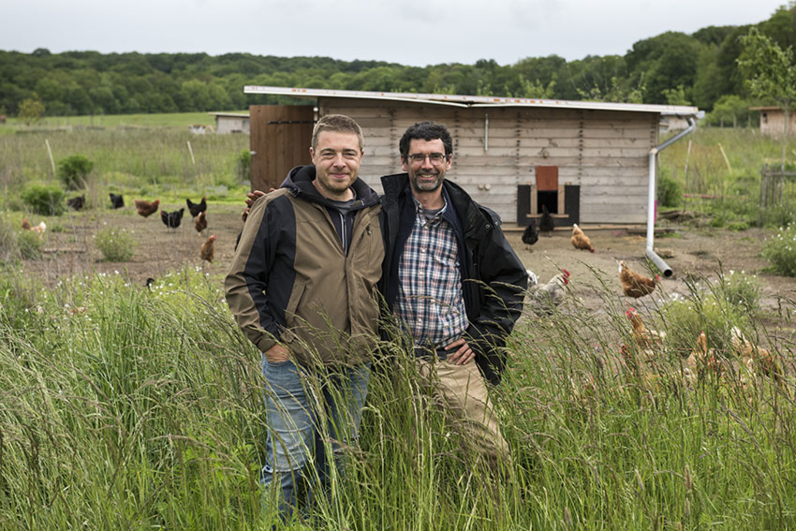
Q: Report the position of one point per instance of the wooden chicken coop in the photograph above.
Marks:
(587, 162)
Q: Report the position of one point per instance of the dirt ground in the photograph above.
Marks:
(700, 252)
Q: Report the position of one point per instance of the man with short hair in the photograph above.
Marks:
(303, 288)
(452, 281)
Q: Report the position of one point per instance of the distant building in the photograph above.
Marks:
(587, 162)
(772, 121)
(229, 122)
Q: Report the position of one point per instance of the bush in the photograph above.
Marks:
(44, 199)
(30, 244)
(116, 245)
(9, 242)
(780, 250)
(740, 290)
(74, 170)
(243, 165)
(670, 193)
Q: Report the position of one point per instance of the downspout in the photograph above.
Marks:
(657, 260)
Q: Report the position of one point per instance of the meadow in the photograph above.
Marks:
(127, 407)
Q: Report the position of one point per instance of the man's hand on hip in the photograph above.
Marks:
(459, 352)
(277, 354)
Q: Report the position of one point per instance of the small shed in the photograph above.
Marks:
(772, 121)
(587, 162)
(230, 122)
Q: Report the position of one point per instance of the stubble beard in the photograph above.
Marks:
(425, 186)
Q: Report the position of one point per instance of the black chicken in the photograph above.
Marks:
(546, 221)
(530, 235)
(194, 208)
(117, 201)
(172, 219)
(77, 202)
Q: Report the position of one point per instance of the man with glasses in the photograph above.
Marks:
(452, 281)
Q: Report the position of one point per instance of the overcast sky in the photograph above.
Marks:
(410, 32)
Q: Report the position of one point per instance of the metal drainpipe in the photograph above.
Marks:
(657, 260)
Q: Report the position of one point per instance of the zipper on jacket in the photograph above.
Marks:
(343, 235)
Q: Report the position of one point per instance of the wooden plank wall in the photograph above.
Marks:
(606, 153)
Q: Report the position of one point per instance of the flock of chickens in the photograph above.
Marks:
(643, 355)
(172, 220)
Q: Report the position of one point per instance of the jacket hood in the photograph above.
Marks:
(299, 182)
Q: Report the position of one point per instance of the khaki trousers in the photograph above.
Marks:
(461, 390)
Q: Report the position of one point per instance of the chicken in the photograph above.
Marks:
(146, 208)
(530, 235)
(207, 251)
(200, 223)
(702, 359)
(194, 208)
(545, 298)
(580, 240)
(40, 229)
(755, 357)
(172, 219)
(117, 201)
(546, 221)
(635, 285)
(644, 337)
(77, 202)
(25, 224)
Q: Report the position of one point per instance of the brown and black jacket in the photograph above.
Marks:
(291, 280)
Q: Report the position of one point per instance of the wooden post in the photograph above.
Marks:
(726, 160)
(50, 153)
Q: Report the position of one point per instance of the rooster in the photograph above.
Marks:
(644, 337)
(200, 223)
(755, 357)
(546, 221)
(40, 229)
(172, 219)
(117, 201)
(545, 298)
(580, 240)
(146, 208)
(530, 235)
(196, 208)
(635, 285)
(207, 251)
(77, 202)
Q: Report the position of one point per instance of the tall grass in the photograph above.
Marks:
(123, 407)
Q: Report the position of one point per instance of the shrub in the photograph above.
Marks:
(741, 290)
(243, 165)
(737, 226)
(686, 318)
(780, 250)
(9, 242)
(44, 199)
(116, 245)
(74, 170)
(30, 244)
(670, 193)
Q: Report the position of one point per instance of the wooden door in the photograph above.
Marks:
(280, 140)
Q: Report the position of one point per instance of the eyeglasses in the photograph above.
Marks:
(435, 158)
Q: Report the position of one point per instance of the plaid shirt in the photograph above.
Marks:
(430, 304)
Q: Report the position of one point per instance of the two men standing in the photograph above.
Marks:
(302, 288)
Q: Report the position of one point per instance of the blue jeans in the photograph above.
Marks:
(306, 412)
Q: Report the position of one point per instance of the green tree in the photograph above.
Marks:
(31, 110)
(771, 74)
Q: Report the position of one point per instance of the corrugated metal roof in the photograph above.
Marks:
(475, 101)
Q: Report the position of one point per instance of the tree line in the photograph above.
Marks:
(699, 69)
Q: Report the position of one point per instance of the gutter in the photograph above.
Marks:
(657, 260)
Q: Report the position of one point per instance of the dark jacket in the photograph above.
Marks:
(292, 282)
(493, 277)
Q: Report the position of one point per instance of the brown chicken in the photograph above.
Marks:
(644, 337)
(200, 223)
(755, 357)
(703, 359)
(635, 285)
(146, 208)
(580, 240)
(25, 224)
(207, 252)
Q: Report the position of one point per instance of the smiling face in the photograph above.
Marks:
(426, 176)
(337, 157)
